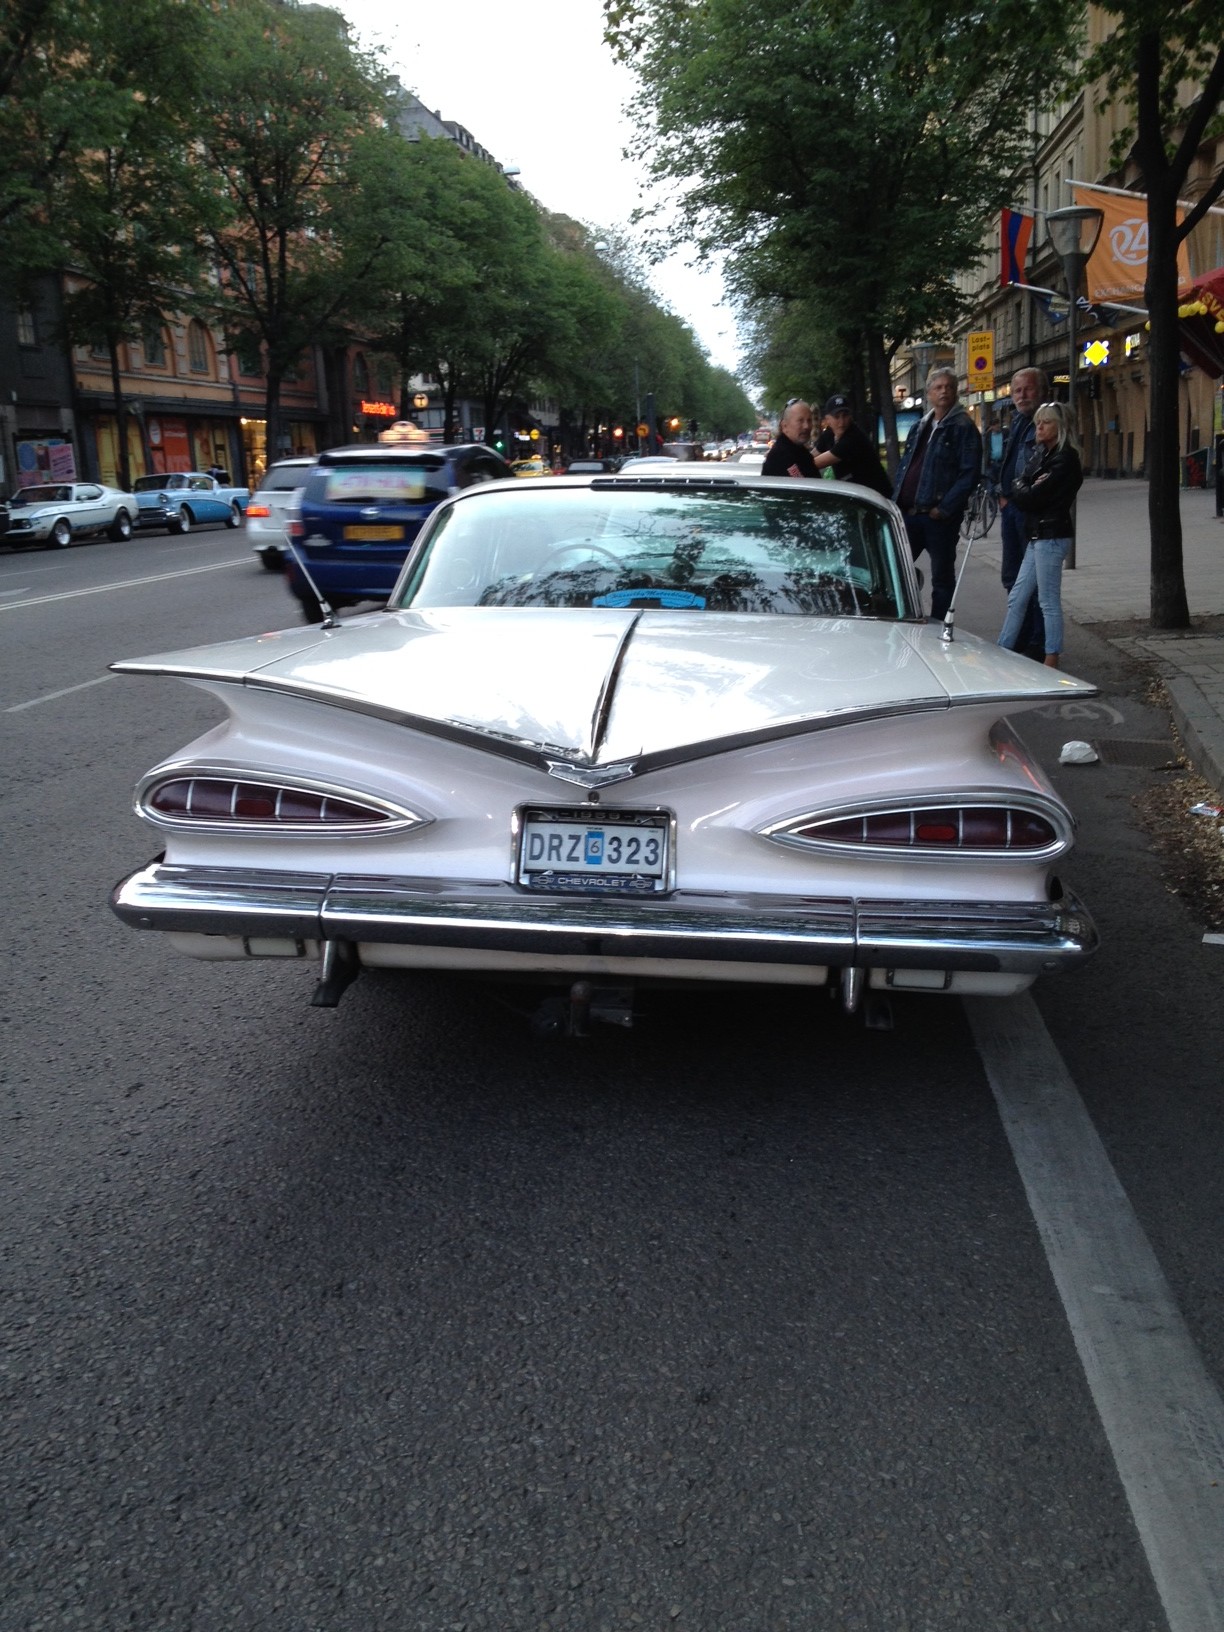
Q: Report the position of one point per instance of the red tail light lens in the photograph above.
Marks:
(950, 828)
(295, 529)
(220, 800)
(258, 510)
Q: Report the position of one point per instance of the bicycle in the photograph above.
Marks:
(980, 512)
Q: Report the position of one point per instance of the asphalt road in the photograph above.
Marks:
(395, 1319)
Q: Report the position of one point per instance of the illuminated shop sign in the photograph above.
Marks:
(1133, 342)
(378, 410)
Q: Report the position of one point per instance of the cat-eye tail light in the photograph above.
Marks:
(219, 799)
(1030, 830)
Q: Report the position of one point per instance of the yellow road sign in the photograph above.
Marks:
(981, 360)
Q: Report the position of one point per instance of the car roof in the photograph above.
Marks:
(363, 450)
(684, 473)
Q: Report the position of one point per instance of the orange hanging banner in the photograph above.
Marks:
(1118, 267)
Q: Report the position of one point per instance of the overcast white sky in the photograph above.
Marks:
(543, 93)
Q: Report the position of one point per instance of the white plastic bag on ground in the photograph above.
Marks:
(1078, 753)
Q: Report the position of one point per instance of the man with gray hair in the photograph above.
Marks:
(938, 471)
(1028, 387)
(789, 454)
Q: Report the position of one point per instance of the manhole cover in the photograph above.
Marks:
(1141, 752)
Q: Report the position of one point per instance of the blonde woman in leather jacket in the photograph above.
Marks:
(1045, 494)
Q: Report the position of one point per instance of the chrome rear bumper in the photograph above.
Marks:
(1014, 937)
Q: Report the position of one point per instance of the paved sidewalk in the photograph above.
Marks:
(1111, 584)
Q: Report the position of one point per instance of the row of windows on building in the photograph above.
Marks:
(157, 352)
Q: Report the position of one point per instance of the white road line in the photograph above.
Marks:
(50, 696)
(126, 583)
(1162, 1413)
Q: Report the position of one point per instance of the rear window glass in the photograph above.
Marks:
(395, 482)
(287, 480)
(721, 550)
(42, 495)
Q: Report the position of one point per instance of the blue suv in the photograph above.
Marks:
(361, 509)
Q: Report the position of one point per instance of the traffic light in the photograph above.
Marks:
(693, 429)
(499, 443)
(673, 423)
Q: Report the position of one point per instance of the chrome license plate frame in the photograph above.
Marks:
(594, 850)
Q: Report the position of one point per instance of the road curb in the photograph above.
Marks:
(1201, 728)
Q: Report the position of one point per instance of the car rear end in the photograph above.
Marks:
(357, 517)
(271, 507)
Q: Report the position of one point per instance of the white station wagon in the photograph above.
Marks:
(688, 725)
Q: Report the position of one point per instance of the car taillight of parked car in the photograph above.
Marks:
(996, 828)
(221, 800)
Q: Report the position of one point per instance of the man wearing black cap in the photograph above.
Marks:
(846, 448)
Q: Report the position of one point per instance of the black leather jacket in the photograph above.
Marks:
(1046, 491)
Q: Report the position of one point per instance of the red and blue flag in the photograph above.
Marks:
(1017, 229)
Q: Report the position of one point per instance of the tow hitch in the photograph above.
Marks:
(572, 1015)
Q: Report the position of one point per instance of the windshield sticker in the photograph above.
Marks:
(367, 483)
(649, 597)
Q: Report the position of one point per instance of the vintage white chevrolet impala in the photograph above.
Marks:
(684, 725)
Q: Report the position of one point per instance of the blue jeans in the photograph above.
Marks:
(938, 539)
(1040, 574)
(1012, 526)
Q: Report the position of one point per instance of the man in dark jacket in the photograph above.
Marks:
(846, 448)
(1027, 389)
(789, 455)
(938, 471)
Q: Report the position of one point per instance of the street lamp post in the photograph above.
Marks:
(1073, 234)
(923, 353)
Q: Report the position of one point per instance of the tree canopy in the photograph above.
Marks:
(243, 161)
(843, 152)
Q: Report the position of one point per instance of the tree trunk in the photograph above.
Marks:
(861, 393)
(1169, 607)
(877, 362)
(449, 393)
(405, 398)
(272, 413)
(121, 445)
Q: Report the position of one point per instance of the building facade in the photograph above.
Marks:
(39, 438)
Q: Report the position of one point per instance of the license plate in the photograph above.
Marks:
(618, 852)
(372, 535)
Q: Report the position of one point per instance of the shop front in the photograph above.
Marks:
(41, 458)
(298, 438)
(160, 442)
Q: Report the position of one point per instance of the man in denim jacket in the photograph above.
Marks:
(939, 470)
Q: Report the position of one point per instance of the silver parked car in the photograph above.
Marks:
(270, 507)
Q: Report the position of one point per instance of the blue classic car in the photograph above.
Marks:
(181, 499)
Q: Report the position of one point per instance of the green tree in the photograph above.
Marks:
(409, 214)
(288, 104)
(796, 351)
(56, 101)
(121, 217)
(844, 151)
(1157, 50)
